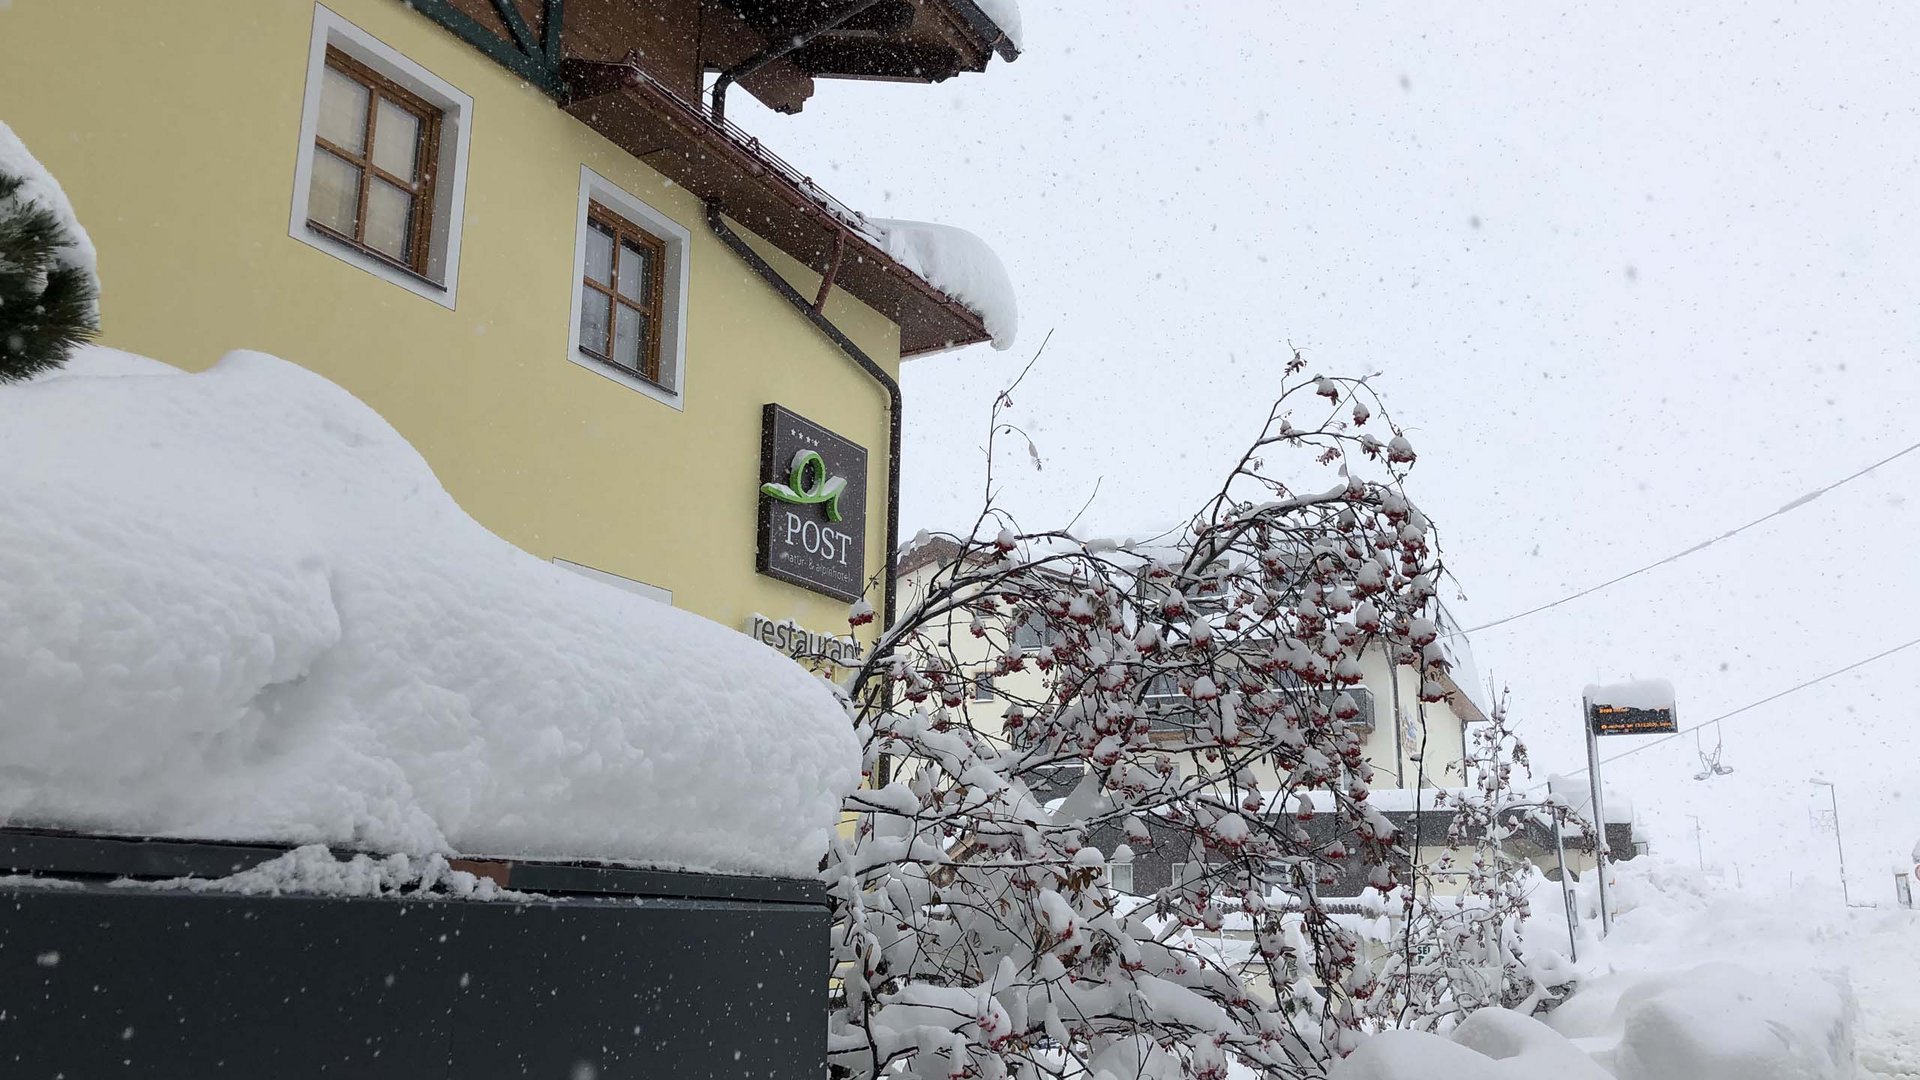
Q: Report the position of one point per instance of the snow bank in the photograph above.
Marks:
(238, 605)
(959, 264)
(39, 186)
(1657, 1000)
(1492, 1044)
(1005, 15)
(1717, 1021)
(1640, 694)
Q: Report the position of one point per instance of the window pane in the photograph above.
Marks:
(343, 111)
(593, 321)
(599, 253)
(389, 216)
(636, 266)
(333, 194)
(396, 140)
(628, 336)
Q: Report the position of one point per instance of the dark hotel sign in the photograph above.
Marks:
(1626, 720)
(813, 506)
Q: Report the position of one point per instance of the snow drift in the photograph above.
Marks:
(1716, 1021)
(1492, 1044)
(1656, 1000)
(238, 605)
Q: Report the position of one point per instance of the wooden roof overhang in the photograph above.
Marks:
(908, 40)
(725, 167)
(631, 70)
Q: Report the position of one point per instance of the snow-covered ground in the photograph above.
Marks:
(1672, 917)
(1700, 980)
(238, 605)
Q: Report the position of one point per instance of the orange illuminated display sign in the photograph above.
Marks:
(1626, 720)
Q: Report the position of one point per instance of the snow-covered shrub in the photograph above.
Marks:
(1460, 953)
(47, 284)
(1197, 687)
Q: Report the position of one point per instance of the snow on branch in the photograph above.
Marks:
(1045, 707)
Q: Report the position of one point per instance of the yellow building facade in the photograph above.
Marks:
(184, 135)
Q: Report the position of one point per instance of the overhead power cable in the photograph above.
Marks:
(1815, 681)
(1702, 546)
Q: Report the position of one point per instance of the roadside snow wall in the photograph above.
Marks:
(238, 605)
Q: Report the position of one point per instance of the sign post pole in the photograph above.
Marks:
(1636, 708)
(1566, 892)
(1599, 813)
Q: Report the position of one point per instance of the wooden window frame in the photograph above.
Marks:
(420, 229)
(653, 305)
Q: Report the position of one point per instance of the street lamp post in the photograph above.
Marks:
(1699, 848)
(1840, 845)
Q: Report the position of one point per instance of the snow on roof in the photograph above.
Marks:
(1639, 694)
(1005, 15)
(39, 187)
(959, 264)
(1459, 652)
(1577, 793)
(242, 607)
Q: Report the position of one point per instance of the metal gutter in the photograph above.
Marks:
(716, 221)
(978, 21)
(761, 59)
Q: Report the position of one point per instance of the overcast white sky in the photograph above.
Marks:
(1632, 273)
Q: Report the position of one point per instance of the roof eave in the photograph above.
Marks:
(985, 29)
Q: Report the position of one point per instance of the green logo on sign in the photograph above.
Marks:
(809, 484)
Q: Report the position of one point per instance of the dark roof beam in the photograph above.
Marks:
(779, 50)
(859, 58)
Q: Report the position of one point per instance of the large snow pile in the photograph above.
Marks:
(1702, 980)
(1713, 1022)
(1697, 982)
(959, 264)
(1823, 973)
(38, 187)
(1492, 1044)
(239, 605)
(1716, 1021)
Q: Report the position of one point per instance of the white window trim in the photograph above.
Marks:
(450, 189)
(673, 305)
(632, 585)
